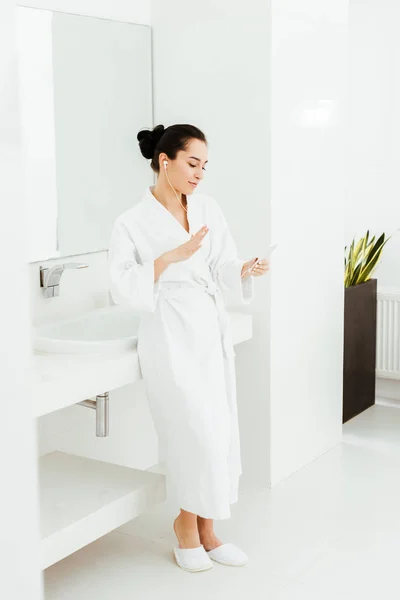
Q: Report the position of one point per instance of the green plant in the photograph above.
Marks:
(362, 259)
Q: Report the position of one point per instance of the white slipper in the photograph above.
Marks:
(193, 559)
(228, 554)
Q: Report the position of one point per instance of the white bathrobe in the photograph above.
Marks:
(185, 348)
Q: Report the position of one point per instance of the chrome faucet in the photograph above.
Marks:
(50, 277)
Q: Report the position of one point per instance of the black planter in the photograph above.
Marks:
(360, 302)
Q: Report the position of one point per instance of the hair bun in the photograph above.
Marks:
(148, 140)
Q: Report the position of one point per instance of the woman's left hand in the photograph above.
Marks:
(259, 269)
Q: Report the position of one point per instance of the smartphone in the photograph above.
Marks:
(266, 255)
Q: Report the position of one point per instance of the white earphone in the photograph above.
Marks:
(165, 163)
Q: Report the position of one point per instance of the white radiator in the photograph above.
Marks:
(388, 333)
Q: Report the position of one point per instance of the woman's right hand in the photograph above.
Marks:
(186, 250)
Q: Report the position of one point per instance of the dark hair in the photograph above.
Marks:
(170, 141)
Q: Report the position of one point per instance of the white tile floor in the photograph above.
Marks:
(331, 531)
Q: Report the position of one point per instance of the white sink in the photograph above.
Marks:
(109, 330)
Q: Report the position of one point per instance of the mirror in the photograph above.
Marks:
(85, 92)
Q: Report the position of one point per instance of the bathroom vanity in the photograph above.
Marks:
(82, 499)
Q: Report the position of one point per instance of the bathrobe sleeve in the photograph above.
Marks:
(225, 265)
(131, 281)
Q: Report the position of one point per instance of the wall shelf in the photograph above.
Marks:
(82, 499)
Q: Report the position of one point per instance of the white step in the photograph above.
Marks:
(82, 499)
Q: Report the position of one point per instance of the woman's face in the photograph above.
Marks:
(188, 168)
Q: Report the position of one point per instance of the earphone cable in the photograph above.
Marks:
(165, 169)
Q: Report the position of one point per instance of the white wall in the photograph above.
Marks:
(211, 69)
(374, 143)
(309, 95)
(20, 575)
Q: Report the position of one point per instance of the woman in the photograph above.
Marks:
(173, 260)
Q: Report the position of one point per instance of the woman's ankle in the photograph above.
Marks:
(205, 526)
(187, 519)
(187, 533)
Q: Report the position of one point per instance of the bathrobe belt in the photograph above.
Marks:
(179, 288)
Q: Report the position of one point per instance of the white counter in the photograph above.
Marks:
(62, 380)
